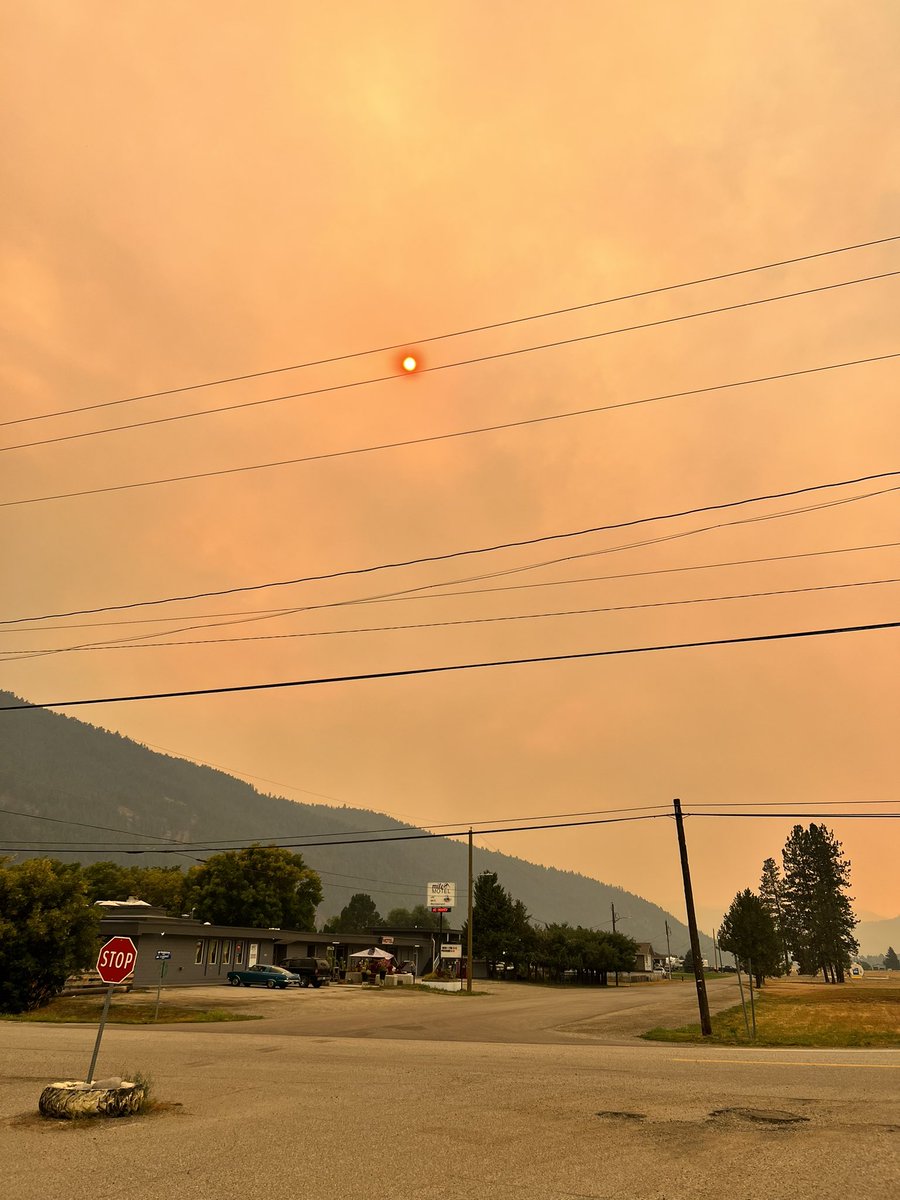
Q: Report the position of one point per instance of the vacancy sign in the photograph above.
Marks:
(440, 897)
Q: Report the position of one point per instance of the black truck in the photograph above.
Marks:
(312, 971)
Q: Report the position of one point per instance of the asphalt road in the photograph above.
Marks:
(563, 1104)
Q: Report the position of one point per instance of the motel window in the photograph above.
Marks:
(253, 954)
(213, 951)
(238, 954)
(198, 952)
(226, 953)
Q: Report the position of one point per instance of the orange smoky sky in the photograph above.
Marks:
(202, 192)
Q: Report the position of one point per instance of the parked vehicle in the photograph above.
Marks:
(263, 975)
(312, 971)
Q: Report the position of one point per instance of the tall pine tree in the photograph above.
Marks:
(818, 916)
(770, 888)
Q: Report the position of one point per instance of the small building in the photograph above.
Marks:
(645, 957)
(205, 953)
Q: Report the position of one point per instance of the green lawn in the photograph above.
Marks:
(797, 1014)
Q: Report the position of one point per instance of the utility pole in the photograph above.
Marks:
(469, 963)
(702, 1002)
(668, 953)
(613, 907)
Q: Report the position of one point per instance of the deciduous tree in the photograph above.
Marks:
(48, 931)
(358, 916)
(265, 886)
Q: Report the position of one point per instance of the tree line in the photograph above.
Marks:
(49, 924)
(801, 913)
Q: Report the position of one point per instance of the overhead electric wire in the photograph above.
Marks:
(133, 639)
(852, 816)
(448, 668)
(403, 596)
(355, 837)
(26, 654)
(452, 434)
(287, 845)
(453, 554)
(439, 437)
(422, 341)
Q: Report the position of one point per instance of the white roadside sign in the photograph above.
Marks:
(451, 950)
(440, 896)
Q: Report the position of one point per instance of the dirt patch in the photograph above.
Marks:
(612, 1115)
(761, 1116)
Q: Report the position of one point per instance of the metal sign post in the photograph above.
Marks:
(163, 956)
(90, 1075)
(114, 964)
(453, 950)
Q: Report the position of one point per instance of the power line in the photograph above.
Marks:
(530, 828)
(447, 668)
(410, 593)
(423, 835)
(423, 341)
(404, 596)
(477, 550)
(428, 438)
(25, 655)
(878, 816)
(353, 837)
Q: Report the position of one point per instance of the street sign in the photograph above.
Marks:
(451, 950)
(115, 963)
(116, 959)
(440, 897)
(165, 955)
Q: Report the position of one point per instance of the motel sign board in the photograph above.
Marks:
(440, 897)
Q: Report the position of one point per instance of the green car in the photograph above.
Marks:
(264, 975)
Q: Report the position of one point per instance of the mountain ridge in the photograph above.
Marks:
(66, 774)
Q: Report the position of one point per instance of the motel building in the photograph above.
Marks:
(202, 953)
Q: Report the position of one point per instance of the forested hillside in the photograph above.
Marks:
(61, 768)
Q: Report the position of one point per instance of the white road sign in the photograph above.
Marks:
(440, 896)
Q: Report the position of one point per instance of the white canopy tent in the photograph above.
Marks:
(375, 952)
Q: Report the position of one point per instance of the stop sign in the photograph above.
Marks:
(117, 959)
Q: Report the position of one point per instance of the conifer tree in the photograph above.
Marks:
(770, 888)
(818, 916)
(891, 961)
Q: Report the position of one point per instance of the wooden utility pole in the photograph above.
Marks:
(668, 953)
(613, 907)
(702, 1002)
(469, 962)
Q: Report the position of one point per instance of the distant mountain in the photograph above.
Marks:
(874, 937)
(105, 792)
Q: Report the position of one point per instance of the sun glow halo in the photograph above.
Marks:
(409, 363)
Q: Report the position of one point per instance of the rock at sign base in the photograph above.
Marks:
(71, 1098)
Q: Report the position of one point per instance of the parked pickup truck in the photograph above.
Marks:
(263, 975)
(312, 971)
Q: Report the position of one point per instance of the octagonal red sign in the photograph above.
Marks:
(116, 960)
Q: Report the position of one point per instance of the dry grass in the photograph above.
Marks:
(87, 1009)
(807, 1014)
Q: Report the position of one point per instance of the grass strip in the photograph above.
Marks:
(71, 1010)
(827, 1016)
